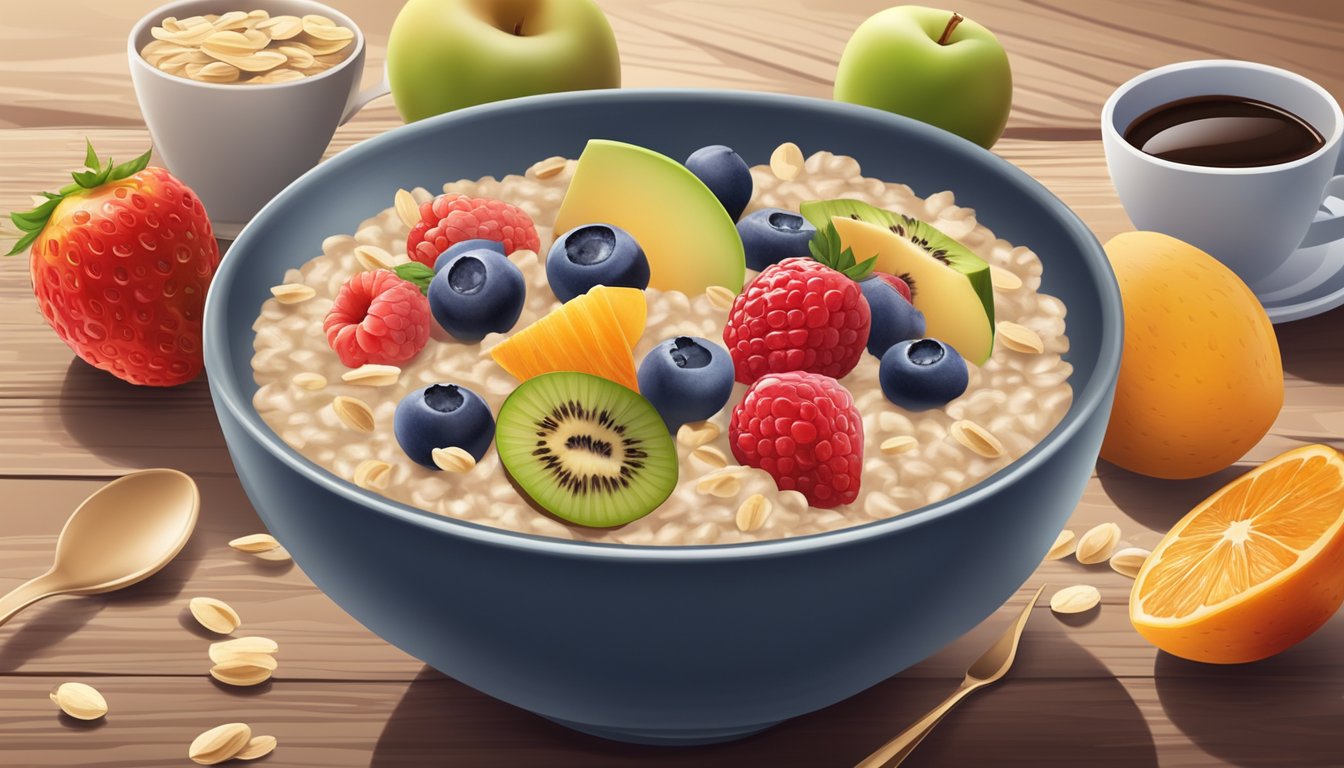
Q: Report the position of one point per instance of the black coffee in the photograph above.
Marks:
(1223, 132)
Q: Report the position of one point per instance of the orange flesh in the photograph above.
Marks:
(594, 333)
(1255, 529)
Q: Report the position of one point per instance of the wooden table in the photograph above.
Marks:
(1086, 692)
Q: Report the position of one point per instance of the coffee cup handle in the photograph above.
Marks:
(360, 99)
(1328, 227)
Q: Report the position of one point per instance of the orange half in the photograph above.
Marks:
(1253, 569)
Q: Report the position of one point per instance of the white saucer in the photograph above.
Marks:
(1315, 282)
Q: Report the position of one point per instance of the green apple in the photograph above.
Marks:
(932, 65)
(446, 54)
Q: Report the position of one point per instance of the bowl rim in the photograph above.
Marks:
(1096, 391)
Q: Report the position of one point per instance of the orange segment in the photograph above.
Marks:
(630, 309)
(1254, 568)
(590, 334)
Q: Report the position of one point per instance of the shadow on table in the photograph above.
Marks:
(130, 425)
(1310, 347)
(1158, 503)
(1034, 718)
(1284, 711)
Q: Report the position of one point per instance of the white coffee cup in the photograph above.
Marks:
(235, 145)
(1258, 221)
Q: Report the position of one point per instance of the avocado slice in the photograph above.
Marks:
(690, 240)
(949, 283)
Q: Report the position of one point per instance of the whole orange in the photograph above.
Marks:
(1200, 378)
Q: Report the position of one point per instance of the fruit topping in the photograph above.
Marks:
(726, 174)
(804, 430)
(120, 262)
(921, 374)
(894, 317)
(477, 292)
(798, 315)
(586, 449)
(772, 235)
(595, 333)
(467, 245)
(687, 378)
(685, 232)
(595, 254)
(379, 318)
(442, 416)
(950, 284)
(449, 219)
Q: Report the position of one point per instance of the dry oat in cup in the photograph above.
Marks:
(247, 48)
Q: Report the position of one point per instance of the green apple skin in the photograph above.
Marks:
(894, 62)
(447, 54)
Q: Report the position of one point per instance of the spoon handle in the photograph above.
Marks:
(25, 595)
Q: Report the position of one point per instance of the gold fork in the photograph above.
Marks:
(988, 669)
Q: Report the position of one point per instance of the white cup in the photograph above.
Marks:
(235, 145)
(1258, 221)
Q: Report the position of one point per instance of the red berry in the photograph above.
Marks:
(449, 219)
(804, 430)
(797, 315)
(901, 285)
(120, 270)
(377, 318)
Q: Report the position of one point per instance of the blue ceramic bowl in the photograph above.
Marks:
(678, 644)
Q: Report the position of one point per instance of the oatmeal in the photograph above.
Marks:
(910, 458)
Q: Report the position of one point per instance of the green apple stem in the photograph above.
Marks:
(952, 23)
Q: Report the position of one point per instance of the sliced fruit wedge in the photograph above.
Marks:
(948, 282)
(1254, 568)
(595, 333)
(690, 240)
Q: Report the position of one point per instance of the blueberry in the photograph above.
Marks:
(442, 416)
(475, 293)
(772, 235)
(463, 247)
(725, 173)
(687, 378)
(595, 254)
(893, 318)
(921, 374)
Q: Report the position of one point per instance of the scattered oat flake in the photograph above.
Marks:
(259, 746)
(80, 701)
(373, 474)
(353, 413)
(277, 555)
(1129, 561)
(710, 456)
(309, 381)
(1020, 338)
(753, 513)
(219, 743)
(242, 674)
(698, 433)
(551, 166)
(251, 645)
(1063, 546)
(215, 615)
(372, 375)
(1096, 545)
(256, 542)
(292, 293)
(976, 438)
(893, 446)
(1076, 599)
(1004, 280)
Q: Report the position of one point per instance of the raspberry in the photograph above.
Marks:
(797, 315)
(377, 318)
(804, 430)
(449, 219)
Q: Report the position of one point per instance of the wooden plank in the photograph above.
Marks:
(1226, 717)
(1066, 57)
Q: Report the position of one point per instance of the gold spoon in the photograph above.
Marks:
(989, 668)
(123, 533)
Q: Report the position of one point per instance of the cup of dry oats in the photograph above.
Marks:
(242, 97)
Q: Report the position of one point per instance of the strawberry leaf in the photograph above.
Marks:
(24, 242)
(32, 222)
(415, 272)
(90, 157)
(131, 167)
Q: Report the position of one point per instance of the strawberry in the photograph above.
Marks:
(802, 314)
(120, 261)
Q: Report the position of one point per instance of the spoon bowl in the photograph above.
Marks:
(123, 533)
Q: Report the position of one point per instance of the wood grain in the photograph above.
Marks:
(1087, 690)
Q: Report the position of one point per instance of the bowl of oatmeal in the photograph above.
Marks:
(753, 580)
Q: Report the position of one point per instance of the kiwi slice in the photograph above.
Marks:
(586, 449)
